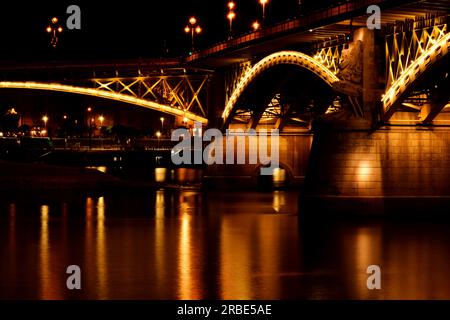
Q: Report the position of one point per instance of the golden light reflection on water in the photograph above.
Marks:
(102, 264)
(366, 250)
(89, 253)
(239, 249)
(160, 246)
(279, 200)
(48, 283)
(235, 261)
(188, 273)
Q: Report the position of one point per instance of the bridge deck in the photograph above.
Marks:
(317, 27)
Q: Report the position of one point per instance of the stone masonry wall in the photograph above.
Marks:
(393, 162)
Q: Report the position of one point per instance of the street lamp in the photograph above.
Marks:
(54, 29)
(264, 3)
(193, 28)
(45, 119)
(162, 124)
(256, 25)
(231, 16)
(101, 119)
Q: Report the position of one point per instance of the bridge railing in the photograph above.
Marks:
(287, 26)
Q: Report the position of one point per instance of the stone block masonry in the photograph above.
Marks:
(388, 162)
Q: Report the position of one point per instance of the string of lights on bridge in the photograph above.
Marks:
(193, 27)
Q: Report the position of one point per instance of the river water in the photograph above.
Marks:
(187, 244)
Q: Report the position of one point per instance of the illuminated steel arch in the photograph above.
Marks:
(415, 70)
(280, 58)
(104, 95)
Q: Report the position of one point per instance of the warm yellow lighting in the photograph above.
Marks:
(60, 29)
(284, 57)
(187, 29)
(193, 21)
(54, 20)
(231, 5)
(264, 3)
(49, 29)
(231, 16)
(364, 170)
(158, 134)
(415, 69)
(64, 117)
(45, 119)
(104, 95)
(198, 29)
(101, 119)
(160, 174)
(89, 109)
(185, 119)
(256, 25)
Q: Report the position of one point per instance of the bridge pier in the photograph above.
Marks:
(390, 169)
(293, 158)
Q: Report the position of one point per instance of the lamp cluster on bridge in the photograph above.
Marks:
(193, 28)
(54, 29)
(231, 15)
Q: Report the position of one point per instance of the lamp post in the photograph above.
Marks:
(231, 16)
(158, 135)
(162, 124)
(45, 119)
(263, 3)
(256, 25)
(193, 28)
(101, 119)
(54, 29)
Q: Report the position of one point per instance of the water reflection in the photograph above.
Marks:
(102, 266)
(47, 290)
(193, 245)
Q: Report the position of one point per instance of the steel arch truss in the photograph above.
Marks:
(330, 57)
(127, 94)
(280, 58)
(179, 92)
(410, 54)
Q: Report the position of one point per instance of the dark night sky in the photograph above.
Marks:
(122, 29)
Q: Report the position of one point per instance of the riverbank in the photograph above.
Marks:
(42, 178)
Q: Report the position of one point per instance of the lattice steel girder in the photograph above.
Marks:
(405, 47)
(410, 54)
(105, 94)
(178, 91)
(330, 57)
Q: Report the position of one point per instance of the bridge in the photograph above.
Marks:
(362, 113)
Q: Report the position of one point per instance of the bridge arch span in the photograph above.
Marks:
(120, 97)
(280, 58)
